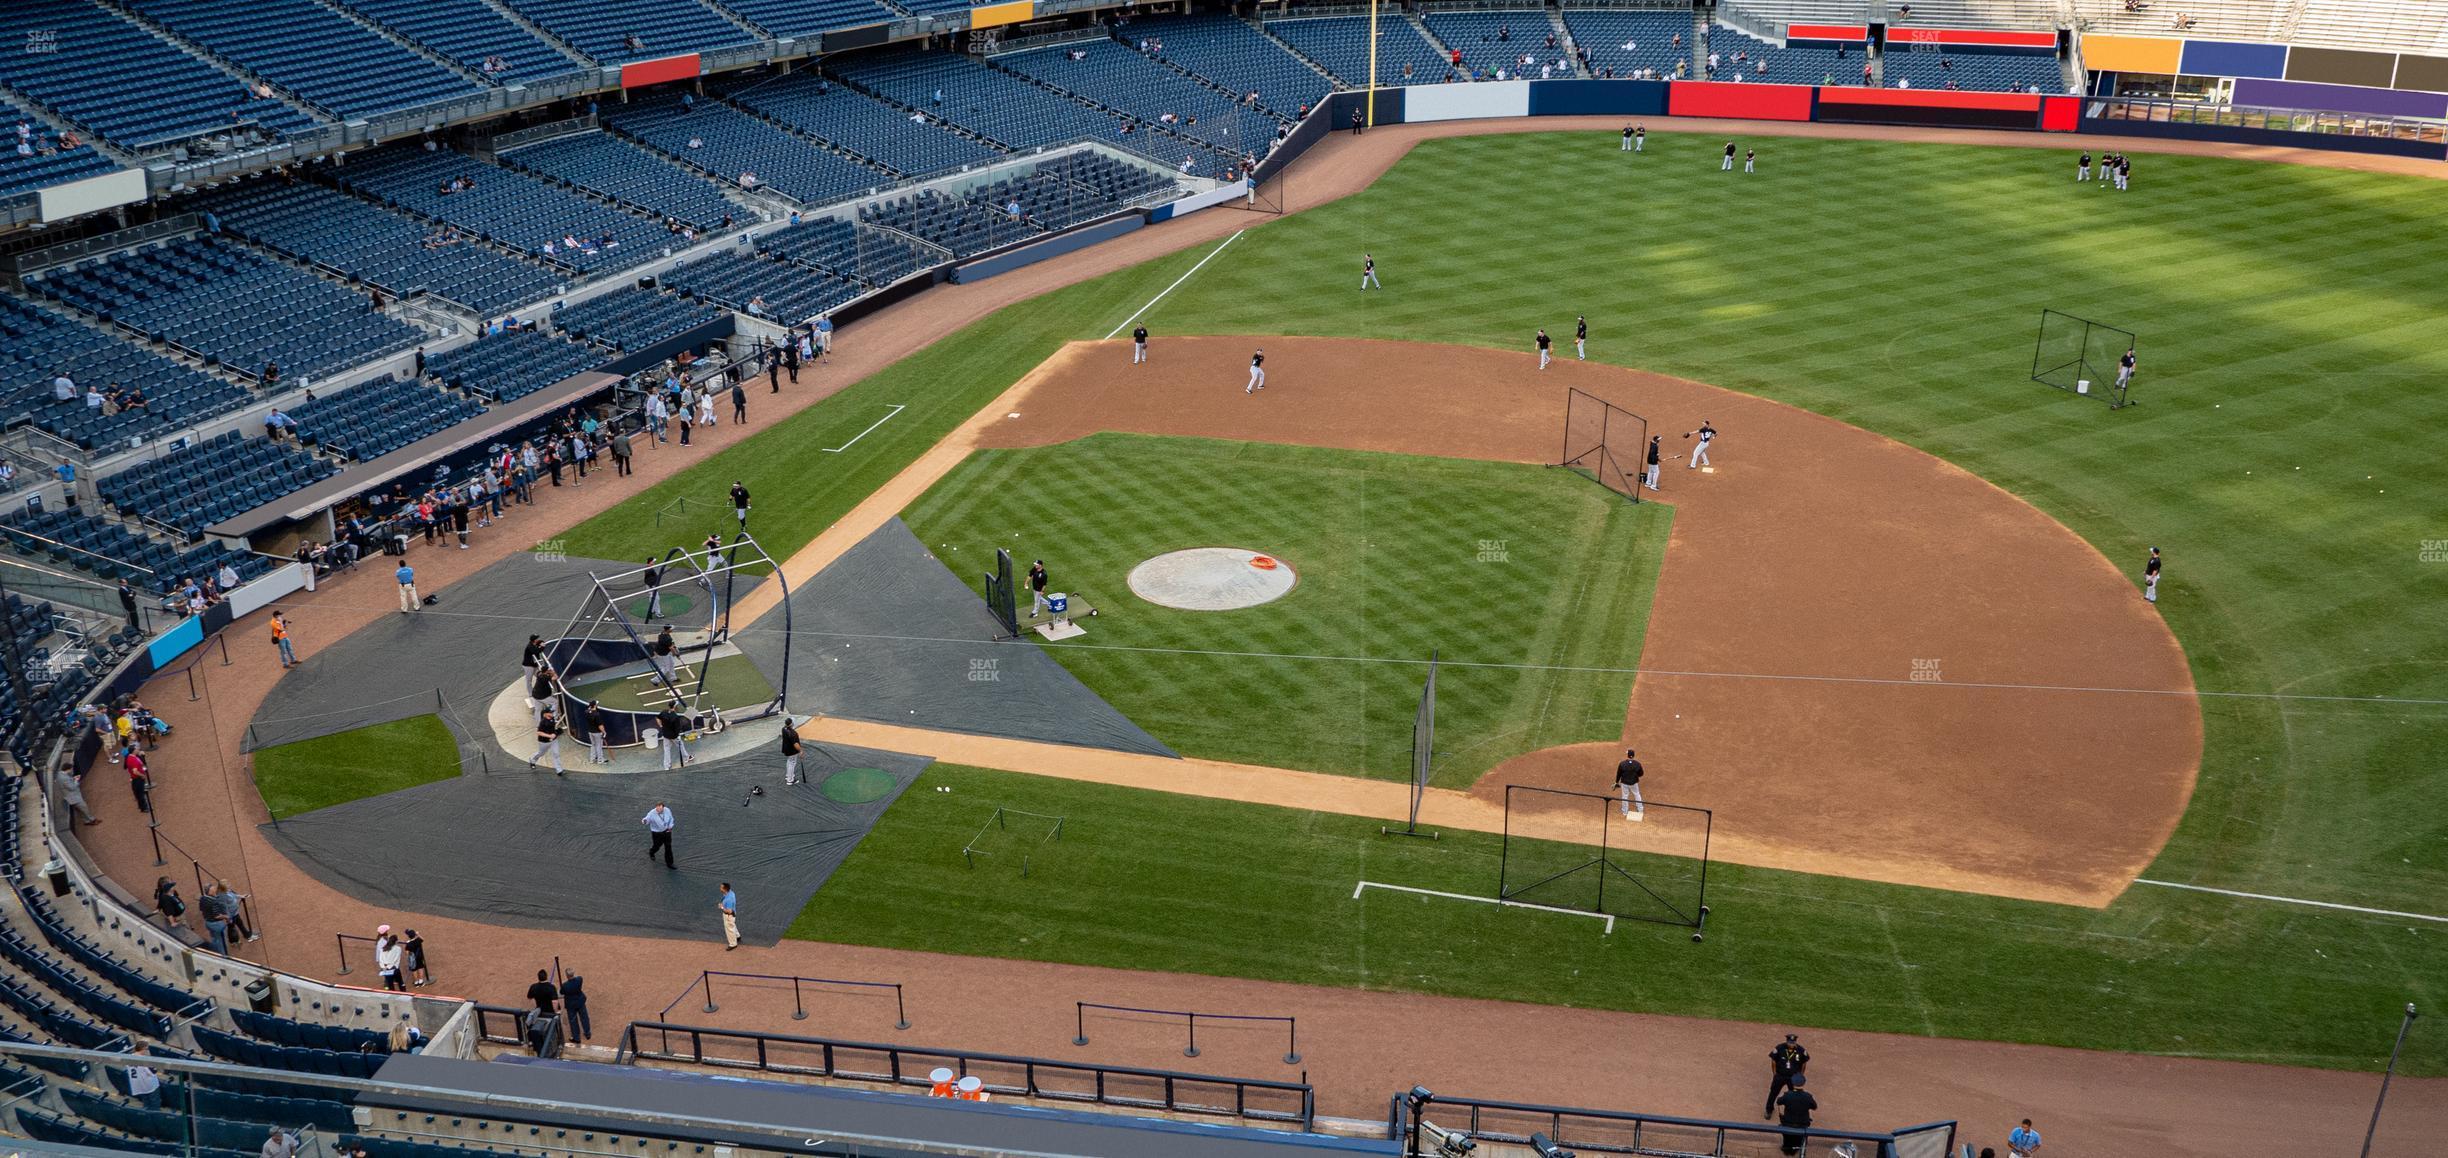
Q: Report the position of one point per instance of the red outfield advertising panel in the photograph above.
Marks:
(1750, 102)
(1983, 36)
(1932, 98)
(1845, 32)
(646, 72)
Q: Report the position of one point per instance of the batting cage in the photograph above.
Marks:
(1001, 597)
(1605, 442)
(2080, 356)
(610, 655)
(1593, 853)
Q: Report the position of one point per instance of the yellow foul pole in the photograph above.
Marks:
(1372, 87)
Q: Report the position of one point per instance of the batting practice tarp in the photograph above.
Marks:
(465, 647)
(888, 634)
(532, 849)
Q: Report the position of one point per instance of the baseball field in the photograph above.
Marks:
(2280, 454)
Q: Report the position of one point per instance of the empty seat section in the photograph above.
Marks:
(851, 120)
(724, 143)
(620, 30)
(313, 52)
(117, 79)
(609, 167)
(507, 366)
(196, 486)
(736, 278)
(233, 304)
(372, 419)
(32, 156)
(634, 319)
(507, 208)
(1232, 54)
(1008, 109)
(37, 344)
(472, 35)
(1630, 42)
(389, 251)
(1341, 45)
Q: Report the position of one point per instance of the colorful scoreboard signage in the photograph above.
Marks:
(669, 68)
(1971, 37)
(998, 15)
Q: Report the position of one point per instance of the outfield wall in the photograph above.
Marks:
(1835, 104)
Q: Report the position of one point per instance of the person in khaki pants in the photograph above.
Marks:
(730, 917)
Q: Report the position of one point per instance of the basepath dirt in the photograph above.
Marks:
(1866, 661)
(2089, 1102)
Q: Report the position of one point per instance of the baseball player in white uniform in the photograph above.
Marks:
(1257, 373)
(1653, 461)
(1581, 337)
(1139, 345)
(1728, 166)
(1542, 349)
(1706, 434)
(1368, 272)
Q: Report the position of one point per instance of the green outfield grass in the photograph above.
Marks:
(371, 761)
(1485, 563)
(1149, 880)
(2282, 453)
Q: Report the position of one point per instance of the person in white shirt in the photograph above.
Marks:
(63, 388)
(143, 1083)
(387, 956)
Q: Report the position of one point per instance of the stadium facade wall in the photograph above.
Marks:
(1052, 247)
(1602, 98)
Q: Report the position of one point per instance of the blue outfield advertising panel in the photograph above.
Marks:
(2233, 58)
(1600, 98)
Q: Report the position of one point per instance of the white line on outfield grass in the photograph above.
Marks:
(1151, 303)
(2291, 901)
(1364, 886)
(896, 410)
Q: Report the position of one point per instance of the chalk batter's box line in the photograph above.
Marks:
(1364, 886)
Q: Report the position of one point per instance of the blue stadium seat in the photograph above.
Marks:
(313, 52)
(1631, 42)
(35, 344)
(201, 484)
(510, 366)
(213, 298)
(613, 31)
(115, 79)
(390, 252)
(32, 156)
(372, 419)
(502, 207)
(1340, 44)
(1981, 70)
(471, 34)
(1232, 54)
(723, 143)
(856, 123)
(615, 169)
(634, 319)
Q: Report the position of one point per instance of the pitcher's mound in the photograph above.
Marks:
(1212, 579)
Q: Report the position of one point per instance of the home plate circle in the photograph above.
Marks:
(1212, 579)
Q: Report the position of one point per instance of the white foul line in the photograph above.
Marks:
(897, 408)
(1151, 303)
(2286, 900)
(1364, 886)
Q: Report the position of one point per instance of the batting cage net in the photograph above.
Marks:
(1423, 749)
(1594, 853)
(1605, 442)
(2080, 356)
(1001, 598)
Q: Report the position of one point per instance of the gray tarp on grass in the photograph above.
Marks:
(535, 850)
(888, 634)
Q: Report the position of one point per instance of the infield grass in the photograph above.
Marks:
(2283, 452)
(1532, 585)
(377, 760)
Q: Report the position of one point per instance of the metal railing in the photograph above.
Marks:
(489, 1021)
(1207, 1095)
(705, 981)
(1079, 1015)
(1625, 1132)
